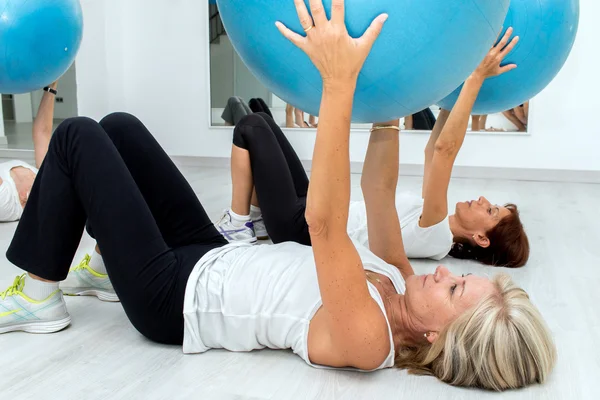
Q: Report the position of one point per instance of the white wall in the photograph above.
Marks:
(161, 74)
(23, 112)
(2, 134)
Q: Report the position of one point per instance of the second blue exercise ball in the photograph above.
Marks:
(546, 30)
(38, 42)
(426, 49)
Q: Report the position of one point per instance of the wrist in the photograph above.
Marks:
(395, 123)
(339, 85)
(385, 128)
(51, 90)
(476, 78)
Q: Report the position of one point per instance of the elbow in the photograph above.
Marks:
(317, 221)
(446, 148)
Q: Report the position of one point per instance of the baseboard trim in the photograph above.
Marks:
(516, 174)
(19, 154)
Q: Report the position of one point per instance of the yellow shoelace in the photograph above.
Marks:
(16, 287)
(83, 264)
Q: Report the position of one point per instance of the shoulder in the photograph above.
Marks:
(365, 344)
(370, 341)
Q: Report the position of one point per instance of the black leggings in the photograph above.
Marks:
(279, 178)
(148, 223)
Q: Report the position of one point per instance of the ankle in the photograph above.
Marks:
(37, 289)
(238, 220)
(255, 213)
(97, 263)
(38, 278)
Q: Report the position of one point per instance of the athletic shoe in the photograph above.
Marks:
(19, 312)
(84, 281)
(260, 230)
(234, 233)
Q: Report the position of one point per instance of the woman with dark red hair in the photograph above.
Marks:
(478, 230)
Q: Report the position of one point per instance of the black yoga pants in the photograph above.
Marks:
(148, 223)
(279, 178)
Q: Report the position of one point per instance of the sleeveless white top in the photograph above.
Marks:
(433, 242)
(242, 298)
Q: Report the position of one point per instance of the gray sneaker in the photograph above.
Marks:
(235, 234)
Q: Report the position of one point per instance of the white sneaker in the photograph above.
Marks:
(84, 281)
(19, 312)
(233, 233)
(260, 230)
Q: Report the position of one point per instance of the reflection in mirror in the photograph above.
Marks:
(235, 92)
(19, 111)
(514, 120)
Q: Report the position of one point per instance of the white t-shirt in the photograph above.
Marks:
(10, 201)
(433, 242)
(242, 298)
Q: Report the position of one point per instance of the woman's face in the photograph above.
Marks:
(479, 216)
(433, 301)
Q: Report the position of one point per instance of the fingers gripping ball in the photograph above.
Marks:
(38, 42)
(426, 49)
(547, 30)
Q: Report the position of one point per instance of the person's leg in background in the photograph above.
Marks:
(255, 106)
(265, 107)
(277, 174)
(296, 169)
(520, 113)
(510, 115)
(289, 116)
(84, 177)
(293, 161)
(235, 110)
(476, 123)
(299, 118)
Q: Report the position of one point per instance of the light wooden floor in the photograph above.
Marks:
(101, 356)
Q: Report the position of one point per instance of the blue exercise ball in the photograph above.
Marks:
(426, 49)
(38, 42)
(546, 30)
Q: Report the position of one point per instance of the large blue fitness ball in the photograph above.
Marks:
(427, 48)
(38, 42)
(547, 30)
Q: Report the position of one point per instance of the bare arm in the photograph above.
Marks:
(353, 318)
(429, 149)
(379, 181)
(42, 126)
(447, 146)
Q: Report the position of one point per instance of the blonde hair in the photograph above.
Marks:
(502, 343)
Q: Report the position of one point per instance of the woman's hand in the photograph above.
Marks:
(491, 64)
(338, 57)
